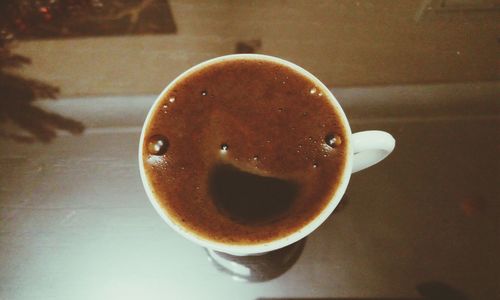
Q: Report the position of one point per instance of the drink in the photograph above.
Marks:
(244, 151)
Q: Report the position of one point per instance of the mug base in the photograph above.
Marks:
(257, 268)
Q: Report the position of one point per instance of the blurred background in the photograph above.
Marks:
(77, 78)
(137, 46)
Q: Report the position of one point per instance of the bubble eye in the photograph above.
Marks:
(332, 140)
(157, 145)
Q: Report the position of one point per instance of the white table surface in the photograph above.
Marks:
(76, 223)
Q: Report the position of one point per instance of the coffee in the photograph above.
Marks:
(244, 151)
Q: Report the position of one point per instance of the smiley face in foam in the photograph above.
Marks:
(254, 151)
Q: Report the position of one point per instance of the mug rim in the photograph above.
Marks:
(248, 249)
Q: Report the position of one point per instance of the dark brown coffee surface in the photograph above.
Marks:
(250, 155)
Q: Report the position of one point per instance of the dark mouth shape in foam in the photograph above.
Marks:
(248, 198)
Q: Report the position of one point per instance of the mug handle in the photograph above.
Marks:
(370, 147)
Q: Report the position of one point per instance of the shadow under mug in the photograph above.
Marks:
(364, 149)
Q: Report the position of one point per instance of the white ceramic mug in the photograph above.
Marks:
(364, 149)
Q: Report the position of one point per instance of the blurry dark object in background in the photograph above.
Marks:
(28, 19)
(20, 119)
(435, 290)
(17, 111)
(251, 46)
(432, 290)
